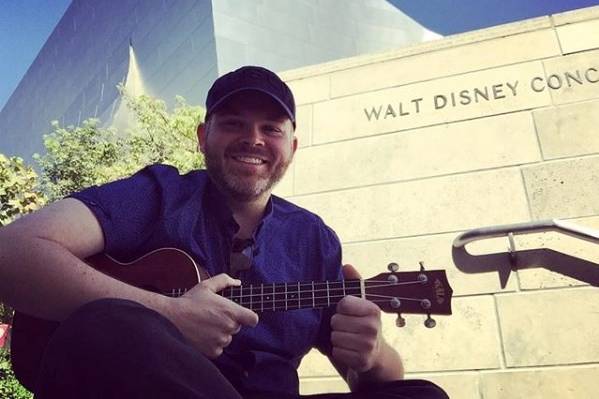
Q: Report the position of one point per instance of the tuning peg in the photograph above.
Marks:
(395, 303)
(425, 303)
(400, 322)
(421, 266)
(429, 322)
(393, 267)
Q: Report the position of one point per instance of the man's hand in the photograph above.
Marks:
(356, 330)
(207, 319)
(360, 353)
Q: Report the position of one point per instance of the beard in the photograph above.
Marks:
(241, 185)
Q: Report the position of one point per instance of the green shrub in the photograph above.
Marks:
(9, 386)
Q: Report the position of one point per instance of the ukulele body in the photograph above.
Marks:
(168, 271)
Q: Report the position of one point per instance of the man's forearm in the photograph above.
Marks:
(42, 278)
(388, 367)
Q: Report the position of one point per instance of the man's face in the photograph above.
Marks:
(248, 143)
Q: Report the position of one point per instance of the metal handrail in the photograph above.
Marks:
(508, 230)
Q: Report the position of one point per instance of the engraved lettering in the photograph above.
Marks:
(401, 111)
(588, 77)
(478, 92)
(512, 88)
(390, 111)
(416, 102)
(374, 112)
(570, 77)
(536, 87)
(465, 97)
(554, 82)
(440, 101)
(498, 91)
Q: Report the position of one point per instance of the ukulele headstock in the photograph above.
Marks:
(417, 292)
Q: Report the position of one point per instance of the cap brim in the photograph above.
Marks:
(228, 95)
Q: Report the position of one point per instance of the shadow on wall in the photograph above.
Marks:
(504, 263)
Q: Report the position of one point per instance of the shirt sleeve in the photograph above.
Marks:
(126, 209)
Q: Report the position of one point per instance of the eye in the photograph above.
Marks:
(273, 130)
(232, 123)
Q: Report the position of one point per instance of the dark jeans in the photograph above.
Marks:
(114, 348)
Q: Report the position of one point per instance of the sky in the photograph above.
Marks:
(25, 25)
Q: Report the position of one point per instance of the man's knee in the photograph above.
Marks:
(111, 326)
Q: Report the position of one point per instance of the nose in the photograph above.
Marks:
(253, 135)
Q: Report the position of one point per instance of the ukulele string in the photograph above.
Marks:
(269, 305)
(236, 291)
(318, 299)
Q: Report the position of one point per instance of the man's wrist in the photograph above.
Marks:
(386, 367)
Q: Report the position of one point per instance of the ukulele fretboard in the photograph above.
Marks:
(289, 296)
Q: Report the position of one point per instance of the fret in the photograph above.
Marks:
(306, 295)
(268, 298)
(292, 295)
(352, 287)
(299, 296)
(273, 296)
(362, 289)
(328, 295)
(241, 295)
(262, 299)
(251, 297)
(280, 296)
(339, 291)
(285, 296)
(320, 297)
(313, 303)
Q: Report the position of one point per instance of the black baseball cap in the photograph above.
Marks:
(251, 78)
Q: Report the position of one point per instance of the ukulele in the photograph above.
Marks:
(173, 272)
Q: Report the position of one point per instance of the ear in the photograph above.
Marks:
(294, 144)
(201, 137)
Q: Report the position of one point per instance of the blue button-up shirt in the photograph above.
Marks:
(157, 207)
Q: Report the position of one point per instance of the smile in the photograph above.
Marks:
(250, 160)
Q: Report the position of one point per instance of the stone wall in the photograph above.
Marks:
(402, 151)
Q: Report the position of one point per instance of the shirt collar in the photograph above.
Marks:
(217, 202)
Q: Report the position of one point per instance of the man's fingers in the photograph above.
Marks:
(245, 316)
(357, 325)
(352, 342)
(350, 272)
(220, 282)
(354, 306)
(236, 313)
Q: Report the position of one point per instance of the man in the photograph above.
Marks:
(116, 340)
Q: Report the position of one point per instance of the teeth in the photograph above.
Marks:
(255, 161)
